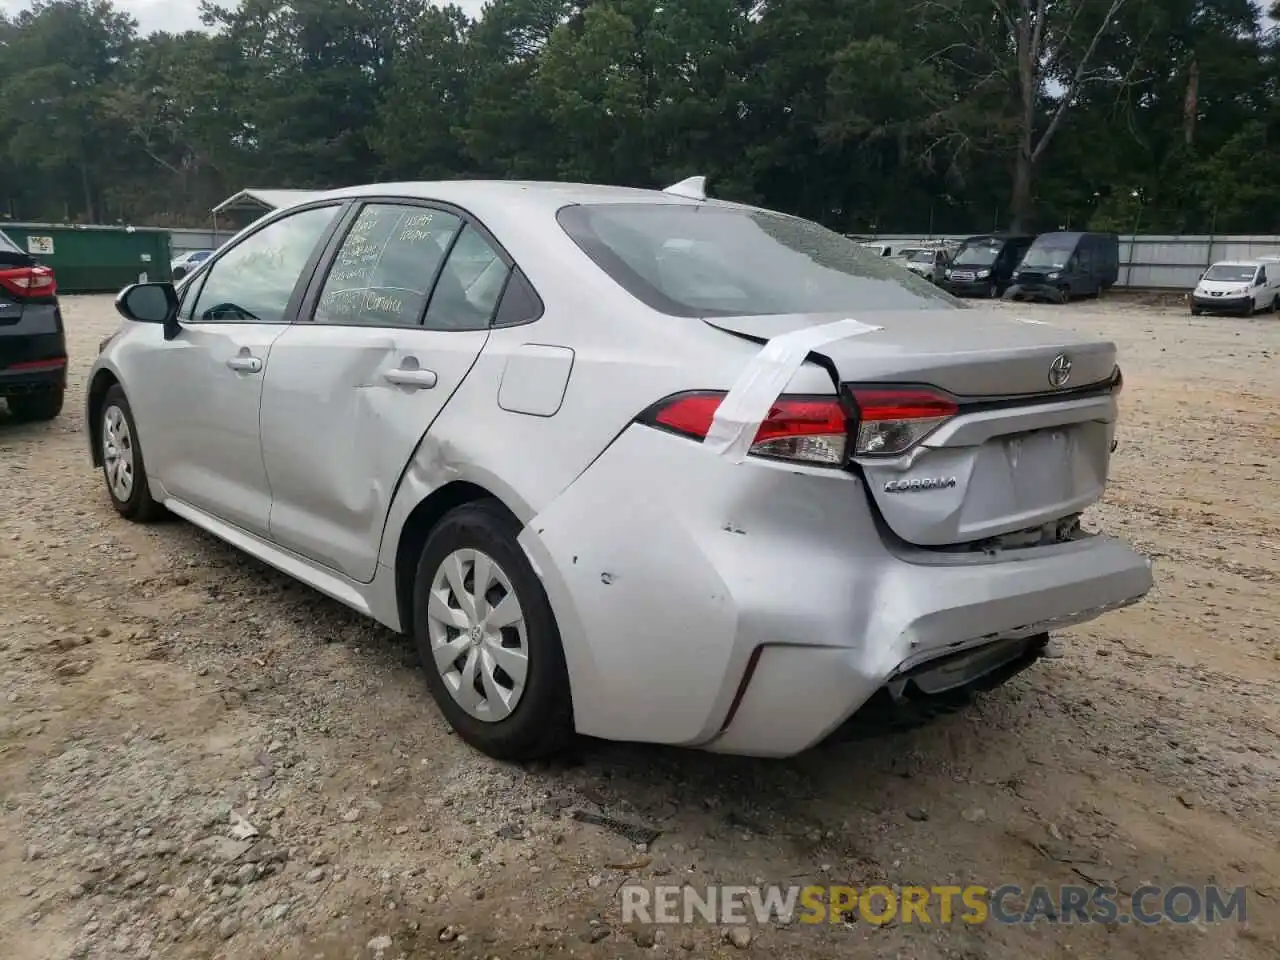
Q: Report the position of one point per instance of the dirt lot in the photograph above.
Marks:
(157, 690)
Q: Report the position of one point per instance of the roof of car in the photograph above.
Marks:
(477, 195)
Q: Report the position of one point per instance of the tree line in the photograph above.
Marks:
(866, 115)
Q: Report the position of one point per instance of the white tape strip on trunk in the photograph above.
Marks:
(749, 401)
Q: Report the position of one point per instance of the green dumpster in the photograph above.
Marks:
(95, 259)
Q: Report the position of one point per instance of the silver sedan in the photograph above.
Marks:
(632, 464)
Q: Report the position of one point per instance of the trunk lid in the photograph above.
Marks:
(1024, 455)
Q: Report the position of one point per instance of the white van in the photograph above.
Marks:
(1238, 286)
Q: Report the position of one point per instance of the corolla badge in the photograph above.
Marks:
(1060, 370)
(924, 483)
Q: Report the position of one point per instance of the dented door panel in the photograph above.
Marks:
(343, 410)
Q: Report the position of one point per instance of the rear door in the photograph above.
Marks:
(388, 334)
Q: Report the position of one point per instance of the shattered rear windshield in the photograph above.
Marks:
(711, 260)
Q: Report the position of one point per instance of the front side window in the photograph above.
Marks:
(253, 281)
(382, 273)
(712, 260)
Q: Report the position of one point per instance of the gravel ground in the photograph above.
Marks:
(202, 758)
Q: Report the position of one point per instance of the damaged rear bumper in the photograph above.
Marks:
(752, 608)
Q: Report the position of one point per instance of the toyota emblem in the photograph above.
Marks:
(1060, 370)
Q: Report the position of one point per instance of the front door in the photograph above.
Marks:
(398, 322)
(197, 409)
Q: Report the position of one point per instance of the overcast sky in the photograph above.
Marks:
(178, 15)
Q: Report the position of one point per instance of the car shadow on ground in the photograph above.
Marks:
(652, 784)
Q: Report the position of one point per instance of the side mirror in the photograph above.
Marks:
(149, 303)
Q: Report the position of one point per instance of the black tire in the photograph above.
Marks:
(139, 505)
(541, 723)
(994, 292)
(1196, 311)
(1250, 308)
(37, 406)
(179, 273)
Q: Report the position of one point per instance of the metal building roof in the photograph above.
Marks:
(254, 199)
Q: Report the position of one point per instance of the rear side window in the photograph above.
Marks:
(470, 284)
(711, 260)
(382, 273)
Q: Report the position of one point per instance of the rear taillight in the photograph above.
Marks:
(26, 282)
(892, 420)
(812, 430)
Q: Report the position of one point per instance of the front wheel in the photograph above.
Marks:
(123, 468)
(487, 638)
(993, 291)
(37, 406)
(1250, 307)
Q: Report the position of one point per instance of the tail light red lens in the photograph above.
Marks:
(812, 430)
(892, 420)
(25, 282)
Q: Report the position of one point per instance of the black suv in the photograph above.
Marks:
(33, 344)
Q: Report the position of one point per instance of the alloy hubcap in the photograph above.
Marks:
(477, 633)
(117, 453)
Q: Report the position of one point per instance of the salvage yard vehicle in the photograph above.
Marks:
(1238, 286)
(983, 266)
(637, 464)
(1062, 265)
(188, 263)
(33, 342)
(930, 263)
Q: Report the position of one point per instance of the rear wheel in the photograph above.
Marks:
(487, 638)
(37, 406)
(123, 468)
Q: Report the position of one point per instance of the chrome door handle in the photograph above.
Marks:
(245, 364)
(421, 379)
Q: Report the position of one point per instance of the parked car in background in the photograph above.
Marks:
(33, 344)
(930, 263)
(1062, 265)
(880, 249)
(983, 266)
(1238, 286)
(650, 528)
(185, 264)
